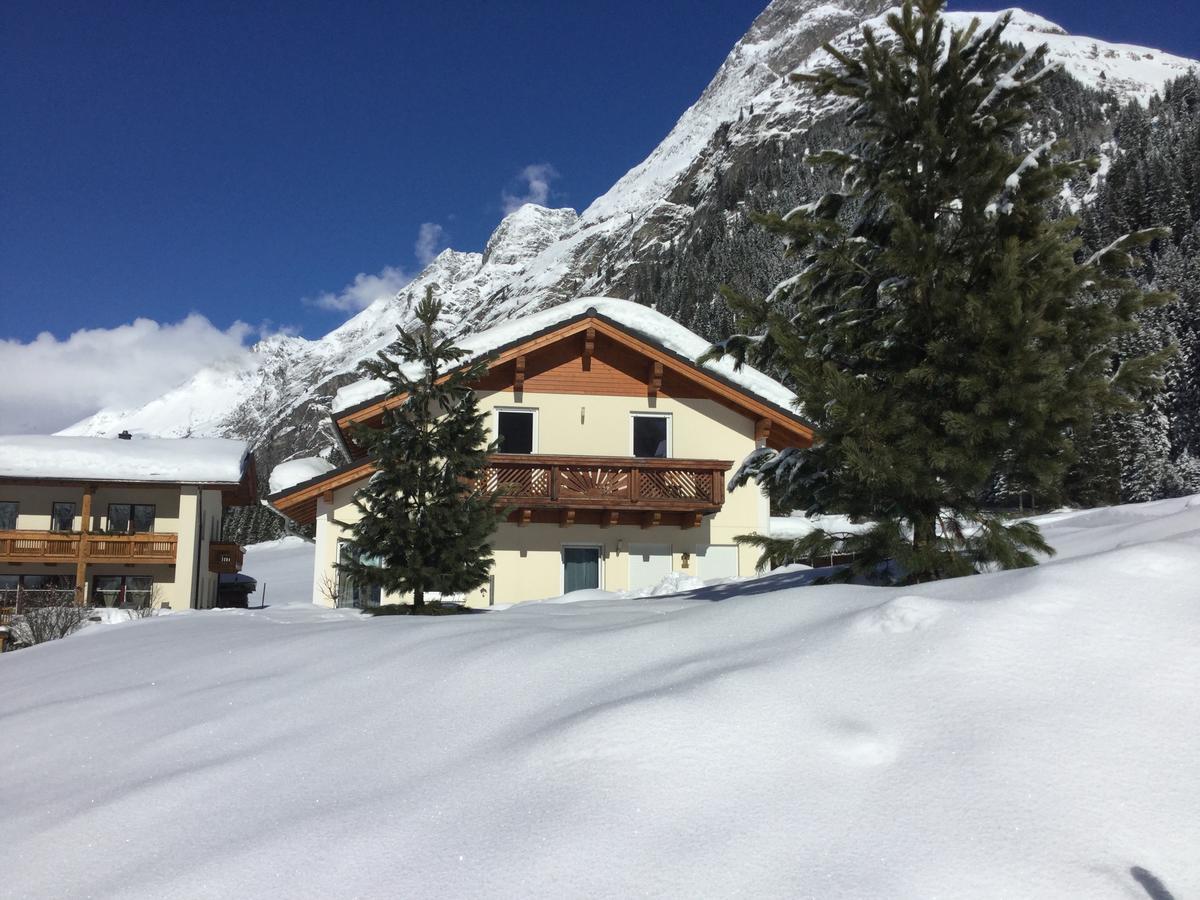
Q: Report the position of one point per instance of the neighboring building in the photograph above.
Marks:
(615, 450)
(119, 520)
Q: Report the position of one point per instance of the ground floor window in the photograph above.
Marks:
(15, 590)
(8, 515)
(123, 590)
(581, 568)
(349, 592)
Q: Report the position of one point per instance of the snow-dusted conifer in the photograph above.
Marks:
(943, 330)
(426, 520)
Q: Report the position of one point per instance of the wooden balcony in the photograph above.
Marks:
(225, 558)
(607, 490)
(64, 546)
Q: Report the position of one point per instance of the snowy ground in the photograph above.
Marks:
(1025, 734)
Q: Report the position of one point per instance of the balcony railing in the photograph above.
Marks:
(608, 482)
(225, 558)
(60, 546)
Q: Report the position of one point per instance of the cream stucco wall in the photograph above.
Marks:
(187, 511)
(528, 563)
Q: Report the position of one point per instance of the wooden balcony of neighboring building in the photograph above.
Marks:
(225, 558)
(22, 546)
(607, 490)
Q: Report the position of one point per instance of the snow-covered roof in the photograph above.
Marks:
(170, 460)
(642, 320)
(296, 471)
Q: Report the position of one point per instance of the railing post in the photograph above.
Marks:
(635, 483)
(554, 482)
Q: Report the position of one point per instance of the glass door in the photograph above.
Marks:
(581, 568)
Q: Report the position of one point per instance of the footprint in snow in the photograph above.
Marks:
(858, 744)
(910, 612)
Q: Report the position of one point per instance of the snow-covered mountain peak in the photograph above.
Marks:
(526, 232)
(684, 198)
(784, 33)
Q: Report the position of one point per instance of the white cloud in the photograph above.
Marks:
(431, 238)
(51, 383)
(536, 180)
(363, 290)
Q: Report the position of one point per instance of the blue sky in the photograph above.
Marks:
(233, 159)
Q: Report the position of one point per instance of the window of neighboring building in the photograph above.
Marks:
(8, 515)
(130, 518)
(516, 430)
(62, 517)
(33, 587)
(651, 435)
(123, 590)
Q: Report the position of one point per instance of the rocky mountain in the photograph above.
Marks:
(666, 233)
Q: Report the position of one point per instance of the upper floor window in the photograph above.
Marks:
(651, 435)
(130, 518)
(8, 515)
(62, 516)
(516, 430)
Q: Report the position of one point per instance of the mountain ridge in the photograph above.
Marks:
(279, 396)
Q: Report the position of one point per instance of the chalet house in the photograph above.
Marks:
(119, 520)
(614, 451)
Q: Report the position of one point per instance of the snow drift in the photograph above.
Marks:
(1022, 734)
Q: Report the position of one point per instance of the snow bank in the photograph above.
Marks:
(1027, 734)
(297, 471)
(187, 460)
(642, 320)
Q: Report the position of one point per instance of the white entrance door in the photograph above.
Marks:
(716, 561)
(648, 565)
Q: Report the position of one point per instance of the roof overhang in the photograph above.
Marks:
(233, 493)
(787, 428)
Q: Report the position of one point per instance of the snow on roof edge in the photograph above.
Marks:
(642, 320)
(149, 460)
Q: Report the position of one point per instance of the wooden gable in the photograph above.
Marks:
(593, 355)
(612, 369)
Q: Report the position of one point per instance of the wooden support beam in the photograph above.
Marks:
(524, 517)
(762, 431)
(566, 518)
(654, 380)
(691, 520)
(651, 519)
(609, 518)
(589, 348)
(85, 522)
(519, 378)
(327, 496)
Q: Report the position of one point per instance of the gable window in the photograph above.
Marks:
(516, 430)
(130, 518)
(62, 517)
(8, 515)
(651, 435)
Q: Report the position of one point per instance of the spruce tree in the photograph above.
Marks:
(943, 329)
(426, 520)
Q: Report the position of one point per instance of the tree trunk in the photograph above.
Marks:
(924, 531)
(418, 599)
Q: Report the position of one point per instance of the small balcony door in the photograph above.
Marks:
(581, 568)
